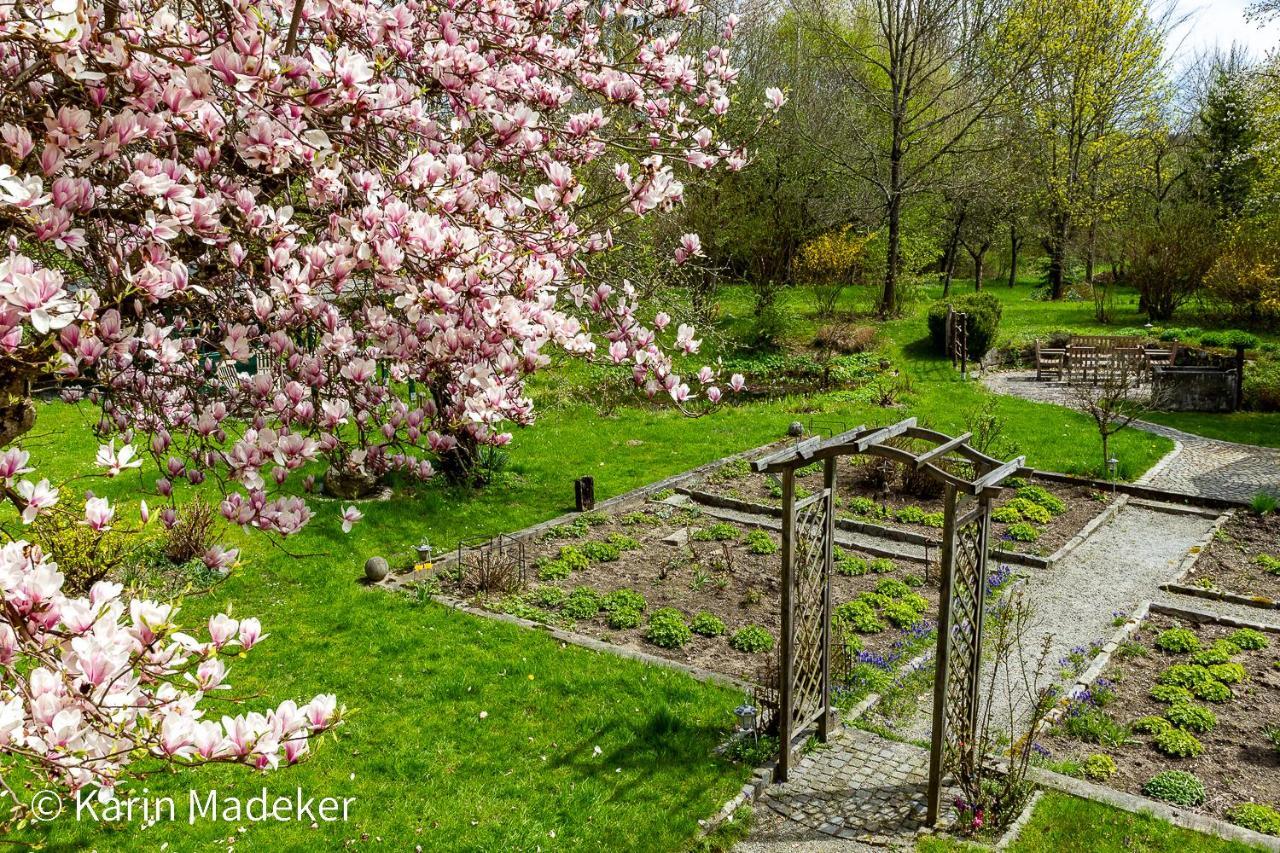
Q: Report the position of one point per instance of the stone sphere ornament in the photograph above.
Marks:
(796, 429)
(376, 569)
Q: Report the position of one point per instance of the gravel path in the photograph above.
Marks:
(1121, 565)
(1198, 465)
(1254, 615)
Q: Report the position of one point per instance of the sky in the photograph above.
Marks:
(1218, 23)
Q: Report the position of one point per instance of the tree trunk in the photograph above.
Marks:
(17, 412)
(889, 298)
(1015, 242)
(949, 258)
(978, 258)
(1058, 256)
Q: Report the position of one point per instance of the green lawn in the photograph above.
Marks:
(1065, 824)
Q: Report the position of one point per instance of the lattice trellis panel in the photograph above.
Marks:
(964, 656)
(809, 585)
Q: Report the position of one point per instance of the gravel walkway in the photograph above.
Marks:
(1076, 602)
(1198, 465)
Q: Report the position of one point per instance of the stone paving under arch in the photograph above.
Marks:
(1198, 465)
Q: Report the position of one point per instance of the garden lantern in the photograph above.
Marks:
(423, 551)
(746, 714)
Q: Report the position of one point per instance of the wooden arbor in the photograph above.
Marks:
(808, 527)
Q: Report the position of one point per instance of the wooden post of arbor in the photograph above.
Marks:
(808, 535)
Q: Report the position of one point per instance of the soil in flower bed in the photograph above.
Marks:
(861, 496)
(1244, 557)
(1239, 763)
(692, 573)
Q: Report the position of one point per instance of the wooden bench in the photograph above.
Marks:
(1049, 361)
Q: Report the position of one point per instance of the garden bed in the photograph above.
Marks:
(703, 574)
(1162, 706)
(1044, 515)
(1243, 558)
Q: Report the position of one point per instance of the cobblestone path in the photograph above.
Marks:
(861, 791)
(1198, 465)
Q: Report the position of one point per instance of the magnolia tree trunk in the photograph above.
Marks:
(17, 411)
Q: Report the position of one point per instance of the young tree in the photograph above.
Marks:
(1115, 398)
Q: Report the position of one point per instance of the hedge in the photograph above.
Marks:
(983, 320)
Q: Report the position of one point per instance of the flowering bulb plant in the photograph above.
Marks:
(267, 232)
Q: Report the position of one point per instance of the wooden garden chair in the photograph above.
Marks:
(1049, 362)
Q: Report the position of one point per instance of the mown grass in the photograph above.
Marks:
(1066, 824)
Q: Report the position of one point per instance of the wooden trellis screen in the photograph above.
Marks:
(958, 340)
(807, 537)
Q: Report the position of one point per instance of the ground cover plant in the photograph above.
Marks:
(1243, 557)
(1029, 517)
(1186, 722)
(701, 591)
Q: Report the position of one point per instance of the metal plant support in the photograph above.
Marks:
(808, 528)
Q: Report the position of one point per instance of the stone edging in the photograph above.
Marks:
(1164, 462)
(1015, 829)
(1100, 661)
(1179, 586)
(1193, 553)
(1089, 529)
(1139, 805)
(1206, 617)
(1139, 491)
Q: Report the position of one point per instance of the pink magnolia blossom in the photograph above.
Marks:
(350, 515)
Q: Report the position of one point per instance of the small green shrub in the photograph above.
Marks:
(1150, 725)
(721, 531)
(881, 565)
(1031, 511)
(1228, 673)
(751, 639)
(910, 515)
(901, 615)
(632, 519)
(1263, 504)
(933, 519)
(574, 557)
(667, 629)
(601, 552)
(1212, 691)
(553, 570)
(1178, 744)
(1099, 767)
(1220, 652)
(1269, 564)
(982, 320)
(857, 616)
(595, 519)
(582, 603)
(1171, 693)
(623, 599)
(1191, 717)
(1006, 514)
(913, 581)
(892, 588)
(707, 624)
(549, 596)
(1255, 816)
(1186, 675)
(1178, 641)
(1022, 532)
(760, 542)
(1043, 497)
(1273, 735)
(624, 617)
(624, 542)
(1249, 639)
(850, 566)
(1175, 786)
(865, 506)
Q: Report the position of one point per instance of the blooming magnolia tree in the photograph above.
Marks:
(274, 231)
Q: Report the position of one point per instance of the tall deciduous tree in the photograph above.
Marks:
(1087, 99)
(919, 69)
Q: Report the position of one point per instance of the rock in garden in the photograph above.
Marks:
(376, 568)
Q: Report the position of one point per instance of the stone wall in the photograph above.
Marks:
(1195, 389)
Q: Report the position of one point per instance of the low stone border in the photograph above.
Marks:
(1176, 509)
(1137, 491)
(1164, 462)
(1089, 529)
(1141, 805)
(1259, 601)
(1100, 661)
(1187, 566)
(1206, 617)
(1015, 829)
